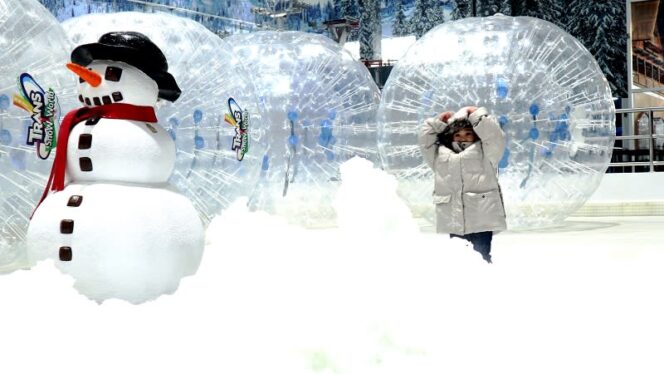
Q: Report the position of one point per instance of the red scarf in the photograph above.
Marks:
(56, 181)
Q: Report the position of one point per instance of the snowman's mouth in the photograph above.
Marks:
(115, 97)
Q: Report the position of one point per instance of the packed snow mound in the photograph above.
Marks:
(367, 201)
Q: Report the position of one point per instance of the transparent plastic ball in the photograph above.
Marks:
(216, 160)
(544, 88)
(320, 108)
(33, 42)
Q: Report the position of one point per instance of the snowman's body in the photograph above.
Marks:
(117, 227)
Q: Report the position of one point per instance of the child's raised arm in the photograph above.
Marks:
(428, 137)
(492, 136)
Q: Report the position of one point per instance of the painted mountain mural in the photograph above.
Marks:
(599, 25)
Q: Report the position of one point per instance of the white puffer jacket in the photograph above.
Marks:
(466, 190)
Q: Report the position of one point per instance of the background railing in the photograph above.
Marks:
(643, 151)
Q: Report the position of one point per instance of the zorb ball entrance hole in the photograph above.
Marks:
(544, 88)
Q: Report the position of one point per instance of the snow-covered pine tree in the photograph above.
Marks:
(554, 11)
(314, 13)
(506, 7)
(350, 9)
(416, 21)
(378, 31)
(420, 21)
(389, 6)
(370, 35)
(400, 25)
(487, 8)
(337, 9)
(330, 12)
(600, 26)
(435, 14)
(461, 9)
(366, 30)
(530, 8)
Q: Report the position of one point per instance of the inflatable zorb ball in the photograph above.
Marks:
(35, 90)
(544, 88)
(320, 107)
(216, 122)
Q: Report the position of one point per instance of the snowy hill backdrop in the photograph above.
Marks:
(599, 25)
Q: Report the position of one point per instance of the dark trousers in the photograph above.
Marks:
(481, 242)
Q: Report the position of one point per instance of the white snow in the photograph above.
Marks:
(273, 298)
(391, 48)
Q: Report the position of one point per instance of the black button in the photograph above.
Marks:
(66, 226)
(117, 96)
(75, 200)
(65, 254)
(85, 163)
(92, 121)
(85, 141)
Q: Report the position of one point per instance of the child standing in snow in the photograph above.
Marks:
(463, 150)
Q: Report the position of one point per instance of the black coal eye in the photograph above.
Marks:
(113, 74)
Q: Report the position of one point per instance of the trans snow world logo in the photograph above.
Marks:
(239, 119)
(43, 108)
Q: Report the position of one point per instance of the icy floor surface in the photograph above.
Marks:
(273, 298)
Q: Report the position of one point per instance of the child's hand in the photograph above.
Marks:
(463, 113)
(445, 116)
(476, 115)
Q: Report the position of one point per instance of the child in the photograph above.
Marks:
(464, 149)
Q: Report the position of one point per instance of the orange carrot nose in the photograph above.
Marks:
(93, 78)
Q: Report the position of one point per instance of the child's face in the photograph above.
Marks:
(464, 135)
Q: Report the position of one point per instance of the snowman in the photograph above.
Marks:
(108, 216)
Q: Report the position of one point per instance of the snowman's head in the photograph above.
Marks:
(107, 82)
(123, 67)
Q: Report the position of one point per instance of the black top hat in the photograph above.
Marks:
(136, 50)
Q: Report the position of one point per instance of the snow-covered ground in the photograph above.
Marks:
(366, 298)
